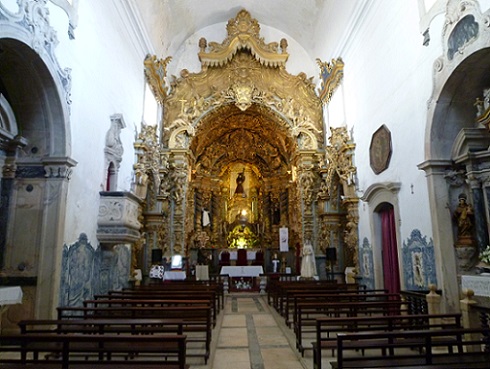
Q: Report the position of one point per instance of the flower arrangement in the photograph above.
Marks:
(485, 255)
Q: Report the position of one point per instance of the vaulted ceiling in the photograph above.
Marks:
(317, 25)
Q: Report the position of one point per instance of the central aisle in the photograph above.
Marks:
(251, 335)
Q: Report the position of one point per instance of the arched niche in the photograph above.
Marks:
(36, 162)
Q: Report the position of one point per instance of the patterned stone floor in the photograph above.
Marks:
(251, 335)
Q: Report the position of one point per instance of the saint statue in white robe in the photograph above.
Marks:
(308, 264)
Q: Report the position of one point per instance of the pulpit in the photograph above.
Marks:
(241, 257)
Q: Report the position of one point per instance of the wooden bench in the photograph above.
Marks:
(294, 297)
(147, 298)
(83, 351)
(101, 326)
(196, 320)
(414, 349)
(306, 314)
(328, 328)
(281, 289)
(186, 286)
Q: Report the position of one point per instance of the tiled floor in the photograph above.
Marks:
(250, 335)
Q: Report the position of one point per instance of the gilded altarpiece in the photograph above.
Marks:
(240, 153)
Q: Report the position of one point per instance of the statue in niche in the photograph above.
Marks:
(464, 217)
(239, 183)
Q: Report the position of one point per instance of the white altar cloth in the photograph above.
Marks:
(479, 284)
(10, 295)
(242, 271)
(174, 275)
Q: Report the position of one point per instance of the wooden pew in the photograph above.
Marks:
(423, 349)
(280, 289)
(328, 328)
(196, 320)
(101, 326)
(146, 301)
(209, 296)
(294, 297)
(186, 285)
(306, 314)
(83, 351)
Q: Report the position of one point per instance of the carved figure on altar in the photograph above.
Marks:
(464, 217)
(275, 264)
(239, 183)
(308, 264)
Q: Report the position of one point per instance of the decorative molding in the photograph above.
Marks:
(71, 9)
(243, 34)
(118, 219)
(371, 191)
(469, 142)
(58, 167)
(357, 19)
(331, 76)
(135, 26)
(155, 74)
(33, 18)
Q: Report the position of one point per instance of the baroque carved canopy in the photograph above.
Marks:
(243, 105)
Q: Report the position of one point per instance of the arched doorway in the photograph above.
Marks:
(389, 247)
(34, 154)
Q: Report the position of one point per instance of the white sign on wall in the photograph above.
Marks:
(283, 239)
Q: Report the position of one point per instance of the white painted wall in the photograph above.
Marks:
(388, 80)
(107, 78)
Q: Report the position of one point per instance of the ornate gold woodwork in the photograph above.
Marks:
(155, 73)
(243, 34)
(244, 112)
(331, 75)
(339, 163)
(147, 166)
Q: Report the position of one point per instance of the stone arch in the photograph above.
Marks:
(451, 133)
(37, 164)
(378, 196)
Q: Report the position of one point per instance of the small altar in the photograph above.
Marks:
(242, 271)
(243, 278)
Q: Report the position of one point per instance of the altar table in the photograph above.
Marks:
(242, 271)
(172, 275)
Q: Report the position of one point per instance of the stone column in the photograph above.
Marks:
(481, 232)
(51, 243)
(436, 171)
(6, 186)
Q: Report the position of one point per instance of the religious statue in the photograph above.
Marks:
(275, 264)
(308, 264)
(239, 183)
(464, 217)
